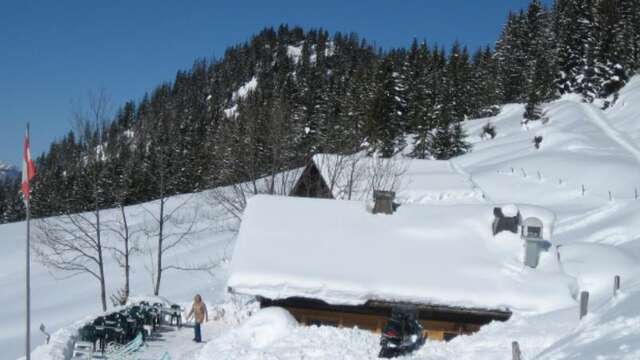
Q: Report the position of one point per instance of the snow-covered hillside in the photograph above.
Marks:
(586, 171)
(8, 171)
(597, 232)
(61, 302)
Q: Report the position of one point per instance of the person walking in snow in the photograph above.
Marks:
(200, 315)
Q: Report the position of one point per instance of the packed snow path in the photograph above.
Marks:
(178, 342)
(599, 118)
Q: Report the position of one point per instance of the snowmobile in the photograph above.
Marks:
(401, 335)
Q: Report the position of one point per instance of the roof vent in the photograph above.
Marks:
(383, 202)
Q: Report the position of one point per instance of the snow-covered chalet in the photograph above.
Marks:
(337, 262)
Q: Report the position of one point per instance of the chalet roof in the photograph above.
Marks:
(420, 181)
(338, 252)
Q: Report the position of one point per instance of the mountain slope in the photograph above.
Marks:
(8, 172)
(597, 234)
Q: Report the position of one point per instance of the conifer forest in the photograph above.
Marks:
(287, 93)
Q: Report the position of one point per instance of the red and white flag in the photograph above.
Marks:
(28, 170)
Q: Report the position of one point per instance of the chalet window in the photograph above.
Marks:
(449, 336)
(335, 322)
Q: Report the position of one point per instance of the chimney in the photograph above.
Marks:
(383, 202)
(534, 241)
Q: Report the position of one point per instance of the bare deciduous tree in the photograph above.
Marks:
(172, 228)
(73, 242)
(122, 254)
(385, 173)
(121, 171)
(233, 198)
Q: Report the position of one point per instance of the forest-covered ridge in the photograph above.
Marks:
(270, 103)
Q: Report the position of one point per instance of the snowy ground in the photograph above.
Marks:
(60, 302)
(598, 233)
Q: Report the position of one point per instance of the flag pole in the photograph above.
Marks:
(28, 342)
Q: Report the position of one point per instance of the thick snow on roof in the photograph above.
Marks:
(339, 252)
(417, 181)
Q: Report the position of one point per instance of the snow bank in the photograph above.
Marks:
(303, 342)
(510, 210)
(595, 265)
(266, 327)
(624, 112)
(612, 331)
(338, 252)
(60, 346)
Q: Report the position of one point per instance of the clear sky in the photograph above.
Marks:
(53, 53)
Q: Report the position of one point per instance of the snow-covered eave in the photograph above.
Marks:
(470, 308)
(496, 313)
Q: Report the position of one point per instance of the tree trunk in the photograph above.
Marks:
(126, 251)
(156, 290)
(103, 290)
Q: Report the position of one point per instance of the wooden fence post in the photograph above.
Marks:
(610, 196)
(583, 189)
(524, 173)
(616, 285)
(515, 351)
(584, 303)
(636, 191)
(539, 176)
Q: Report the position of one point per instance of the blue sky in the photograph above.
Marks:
(53, 53)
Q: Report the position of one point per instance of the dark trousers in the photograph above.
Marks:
(197, 334)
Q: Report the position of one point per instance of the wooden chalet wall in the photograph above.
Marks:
(311, 184)
(439, 322)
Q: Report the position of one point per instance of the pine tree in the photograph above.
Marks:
(511, 59)
(386, 123)
(485, 88)
(627, 35)
(539, 77)
(577, 48)
(449, 137)
(423, 108)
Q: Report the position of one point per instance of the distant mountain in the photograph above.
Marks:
(8, 171)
